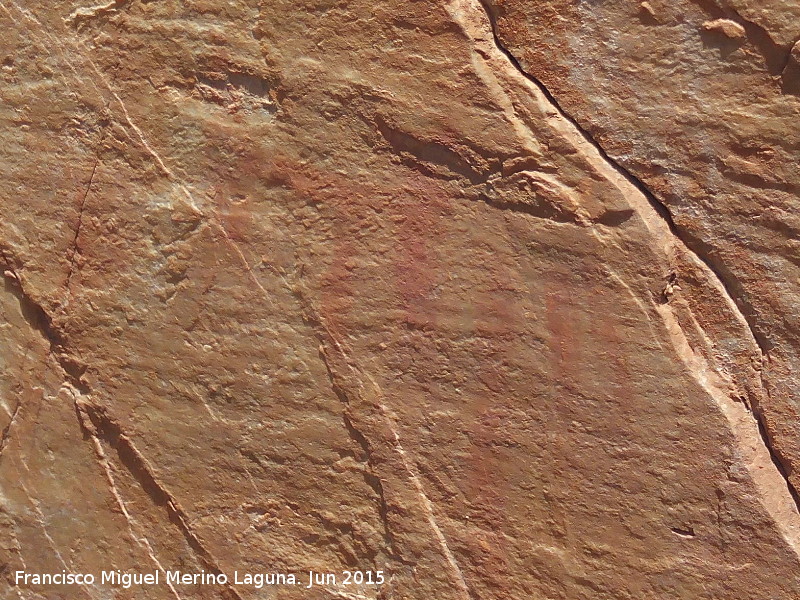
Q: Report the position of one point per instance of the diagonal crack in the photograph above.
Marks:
(426, 155)
(40, 321)
(4, 437)
(133, 525)
(325, 337)
(702, 251)
(81, 208)
(695, 246)
(96, 423)
(42, 521)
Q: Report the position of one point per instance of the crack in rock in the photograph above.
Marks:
(81, 208)
(4, 437)
(371, 478)
(701, 251)
(40, 321)
(96, 423)
(326, 336)
(94, 420)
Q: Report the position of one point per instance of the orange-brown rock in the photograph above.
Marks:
(698, 101)
(317, 286)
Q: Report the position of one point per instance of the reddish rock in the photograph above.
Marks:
(306, 286)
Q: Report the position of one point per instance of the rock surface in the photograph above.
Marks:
(699, 102)
(497, 299)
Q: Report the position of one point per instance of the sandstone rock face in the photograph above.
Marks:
(698, 101)
(498, 300)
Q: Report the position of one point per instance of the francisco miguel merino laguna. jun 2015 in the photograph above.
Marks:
(172, 578)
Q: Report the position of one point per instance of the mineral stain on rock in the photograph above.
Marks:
(494, 298)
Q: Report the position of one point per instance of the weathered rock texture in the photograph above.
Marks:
(698, 101)
(498, 298)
